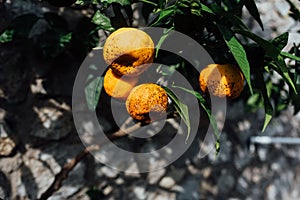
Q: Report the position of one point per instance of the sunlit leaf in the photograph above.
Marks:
(166, 13)
(203, 104)
(273, 53)
(206, 9)
(162, 39)
(102, 21)
(181, 108)
(238, 52)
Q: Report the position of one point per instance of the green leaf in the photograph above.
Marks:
(7, 36)
(296, 100)
(102, 21)
(229, 17)
(203, 104)
(294, 11)
(206, 9)
(84, 2)
(273, 53)
(149, 2)
(181, 108)
(281, 41)
(289, 55)
(252, 8)
(168, 12)
(121, 2)
(162, 39)
(238, 52)
(267, 103)
(92, 92)
(65, 39)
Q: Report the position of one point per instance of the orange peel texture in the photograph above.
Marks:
(117, 86)
(128, 51)
(147, 102)
(225, 80)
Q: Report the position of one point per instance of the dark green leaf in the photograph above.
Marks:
(294, 11)
(203, 104)
(7, 36)
(251, 7)
(65, 39)
(102, 21)
(121, 2)
(273, 53)
(149, 2)
(230, 17)
(92, 92)
(289, 55)
(281, 41)
(166, 13)
(267, 103)
(206, 9)
(181, 108)
(296, 100)
(238, 52)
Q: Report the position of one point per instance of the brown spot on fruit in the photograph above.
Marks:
(147, 102)
(128, 51)
(222, 80)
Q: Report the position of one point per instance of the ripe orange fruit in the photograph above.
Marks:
(117, 86)
(222, 80)
(127, 50)
(147, 102)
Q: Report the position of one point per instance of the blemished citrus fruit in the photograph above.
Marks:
(225, 80)
(147, 102)
(128, 51)
(117, 86)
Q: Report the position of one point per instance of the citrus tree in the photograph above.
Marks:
(215, 24)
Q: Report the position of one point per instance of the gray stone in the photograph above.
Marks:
(177, 174)
(10, 164)
(155, 176)
(242, 157)
(109, 172)
(72, 184)
(225, 183)
(4, 187)
(167, 182)
(161, 195)
(190, 189)
(52, 123)
(7, 145)
(35, 178)
(139, 192)
(282, 7)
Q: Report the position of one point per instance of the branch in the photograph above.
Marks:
(63, 174)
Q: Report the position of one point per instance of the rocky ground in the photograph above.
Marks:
(37, 137)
